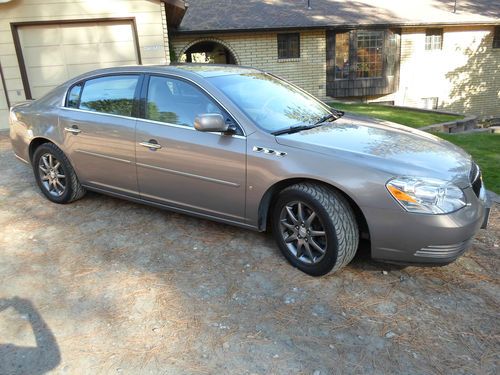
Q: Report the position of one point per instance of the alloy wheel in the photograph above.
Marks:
(303, 232)
(52, 175)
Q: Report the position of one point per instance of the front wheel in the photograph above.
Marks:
(315, 228)
(55, 176)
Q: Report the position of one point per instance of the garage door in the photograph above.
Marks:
(54, 53)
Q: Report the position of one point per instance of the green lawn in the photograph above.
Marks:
(415, 119)
(485, 149)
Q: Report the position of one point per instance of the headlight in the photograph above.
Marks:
(426, 195)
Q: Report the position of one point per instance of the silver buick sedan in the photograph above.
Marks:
(243, 147)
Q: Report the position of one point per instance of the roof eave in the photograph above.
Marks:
(180, 31)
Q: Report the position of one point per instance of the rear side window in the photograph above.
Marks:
(74, 95)
(113, 95)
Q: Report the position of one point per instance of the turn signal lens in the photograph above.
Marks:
(399, 195)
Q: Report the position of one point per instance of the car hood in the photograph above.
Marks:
(394, 148)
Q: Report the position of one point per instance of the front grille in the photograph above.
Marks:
(443, 251)
(475, 179)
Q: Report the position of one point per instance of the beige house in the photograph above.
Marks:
(45, 42)
(425, 54)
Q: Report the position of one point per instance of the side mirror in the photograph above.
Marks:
(211, 122)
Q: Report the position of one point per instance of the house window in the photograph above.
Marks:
(289, 46)
(496, 37)
(369, 50)
(433, 39)
(342, 56)
(430, 103)
(362, 62)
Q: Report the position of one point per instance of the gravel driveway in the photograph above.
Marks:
(107, 286)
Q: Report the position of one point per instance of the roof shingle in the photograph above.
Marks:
(227, 15)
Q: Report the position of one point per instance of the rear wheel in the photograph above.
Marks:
(55, 176)
(315, 228)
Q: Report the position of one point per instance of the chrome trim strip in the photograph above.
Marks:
(103, 156)
(171, 203)
(161, 74)
(151, 121)
(172, 208)
(185, 174)
(112, 189)
(98, 113)
(20, 158)
(189, 128)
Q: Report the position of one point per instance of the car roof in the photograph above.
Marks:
(187, 70)
(213, 70)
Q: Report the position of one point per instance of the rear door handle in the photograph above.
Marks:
(73, 130)
(151, 144)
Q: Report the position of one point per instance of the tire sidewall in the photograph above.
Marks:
(58, 154)
(329, 260)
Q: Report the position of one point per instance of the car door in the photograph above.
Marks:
(180, 166)
(100, 131)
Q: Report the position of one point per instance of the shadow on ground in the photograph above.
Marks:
(20, 359)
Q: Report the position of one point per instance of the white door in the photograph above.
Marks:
(55, 53)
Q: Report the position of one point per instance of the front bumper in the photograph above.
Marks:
(403, 237)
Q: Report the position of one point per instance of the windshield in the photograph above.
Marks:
(272, 103)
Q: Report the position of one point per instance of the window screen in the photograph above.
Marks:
(289, 46)
(342, 56)
(496, 37)
(433, 39)
(369, 48)
(430, 103)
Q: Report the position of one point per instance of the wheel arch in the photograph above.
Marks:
(35, 143)
(269, 198)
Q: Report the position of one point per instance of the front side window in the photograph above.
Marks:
(111, 94)
(177, 102)
(433, 39)
(271, 103)
(289, 46)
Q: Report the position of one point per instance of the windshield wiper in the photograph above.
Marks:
(334, 115)
(294, 129)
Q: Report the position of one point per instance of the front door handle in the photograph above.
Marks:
(151, 144)
(73, 130)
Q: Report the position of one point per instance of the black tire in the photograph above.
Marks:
(336, 217)
(73, 190)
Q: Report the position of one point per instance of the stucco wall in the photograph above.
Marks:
(464, 75)
(151, 27)
(260, 50)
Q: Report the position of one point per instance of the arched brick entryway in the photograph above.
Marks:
(208, 50)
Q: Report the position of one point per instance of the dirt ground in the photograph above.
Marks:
(107, 286)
